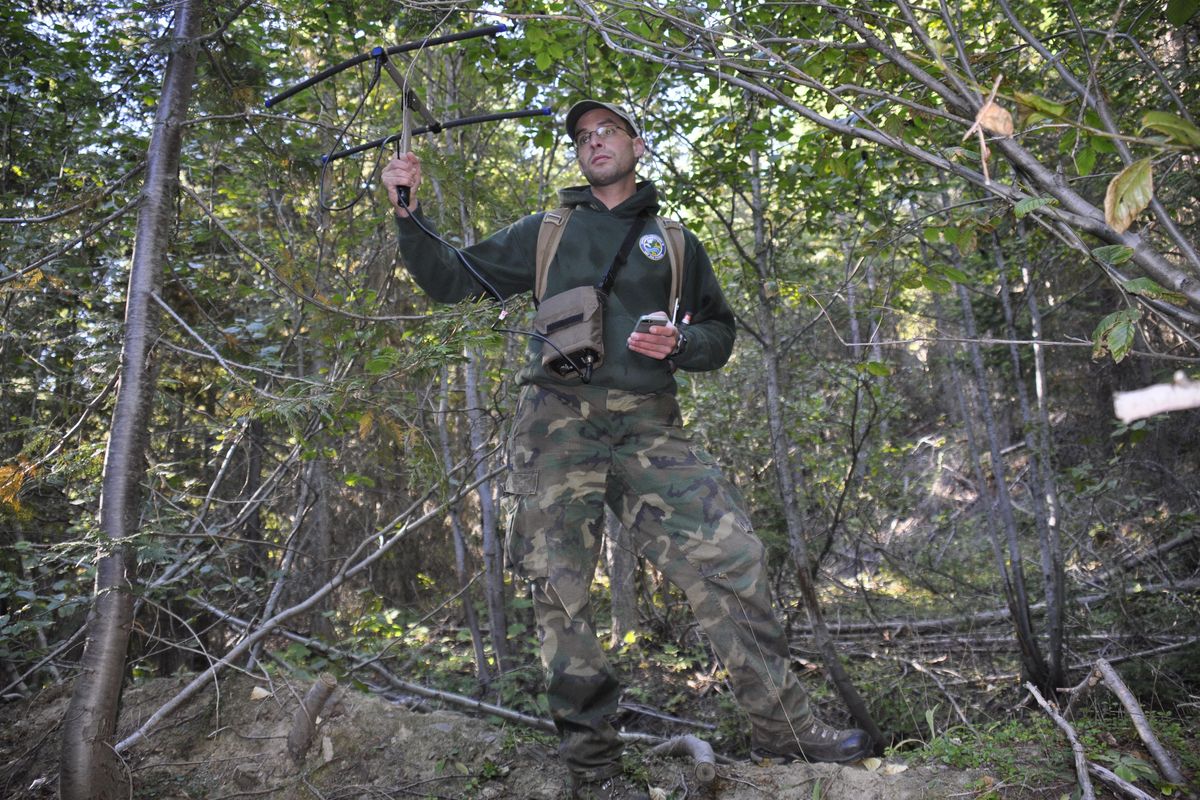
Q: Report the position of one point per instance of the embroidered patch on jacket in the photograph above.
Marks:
(653, 246)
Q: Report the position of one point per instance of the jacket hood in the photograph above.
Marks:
(644, 197)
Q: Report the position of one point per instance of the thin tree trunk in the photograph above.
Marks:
(786, 478)
(1052, 565)
(1033, 665)
(622, 578)
(1057, 623)
(482, 673)
(88, 764)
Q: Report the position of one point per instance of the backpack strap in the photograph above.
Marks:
(676, 249)
(549, 234)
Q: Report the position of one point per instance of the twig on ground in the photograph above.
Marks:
(1104, 672)
(1170, 770)
(1113, 779)
(1081, 762)
(694, 747)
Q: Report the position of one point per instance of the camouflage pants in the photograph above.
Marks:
(574, 449)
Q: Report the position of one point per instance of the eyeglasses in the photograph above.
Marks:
(601, 132)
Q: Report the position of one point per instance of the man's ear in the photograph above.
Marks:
(639, 147)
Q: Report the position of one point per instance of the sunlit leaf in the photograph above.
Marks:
(872, 764)
(11, 478)
(1177, 129)
(1128, 195)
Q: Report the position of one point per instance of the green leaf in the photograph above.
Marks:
(1040, 104)
(1085, 159)
(878, 368)
(1128, 195)
(1180, 11)
(1031, 204)
(378, 365)
(1146, 287)
(1113, 254)
(1115, 334)
(1125, 773)
(936, 284)
(955, 274)
(1177, 129)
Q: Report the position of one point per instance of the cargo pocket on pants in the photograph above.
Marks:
(525, 544)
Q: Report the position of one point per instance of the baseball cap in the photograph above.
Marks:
(584, 106)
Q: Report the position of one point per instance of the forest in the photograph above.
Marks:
(243, 455)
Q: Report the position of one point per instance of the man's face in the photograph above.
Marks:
(604, 162)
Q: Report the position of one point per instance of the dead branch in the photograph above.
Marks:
(904, 626)
(1081, 762)
(1113, 779)
(358, 561)
(697, 749)
(1170, 770)
(372, 662)
(1180, 394)
(304, 722)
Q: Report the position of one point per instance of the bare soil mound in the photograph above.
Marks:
(232, 742)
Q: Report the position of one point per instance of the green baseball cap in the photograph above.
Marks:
(584, 106)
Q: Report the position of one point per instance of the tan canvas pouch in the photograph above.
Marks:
(573, 321)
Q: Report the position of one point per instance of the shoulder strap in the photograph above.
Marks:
(549, 234)
(551, 231)
(676, 251)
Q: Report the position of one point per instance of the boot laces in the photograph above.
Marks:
(822, 731)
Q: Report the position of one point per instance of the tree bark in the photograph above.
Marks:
(89, 767)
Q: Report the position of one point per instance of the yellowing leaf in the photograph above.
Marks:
(365, 423)
(11, 478)
(1128, 195)
(995, 119)
(893, 769)
(259, 693)
(1177, 129)
(872, 763)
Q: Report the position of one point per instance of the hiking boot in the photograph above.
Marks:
(615, 787)
(815, 742)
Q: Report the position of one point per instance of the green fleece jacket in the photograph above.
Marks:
(591, 240)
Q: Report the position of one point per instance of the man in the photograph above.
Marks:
(618, 439)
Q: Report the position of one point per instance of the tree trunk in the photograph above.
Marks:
(1032, 663)
(88, 764)
(622, 578)
(482, 673)
(786, 479)
(1048, 540)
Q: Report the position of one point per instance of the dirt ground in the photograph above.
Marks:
(233, 743)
